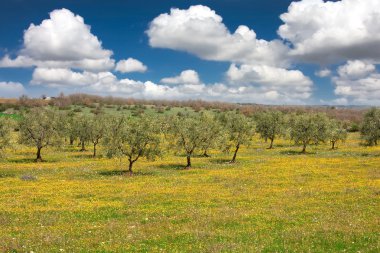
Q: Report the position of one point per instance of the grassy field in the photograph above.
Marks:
(269, 201)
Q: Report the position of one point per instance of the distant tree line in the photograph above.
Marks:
(351, 117)
(148, 135)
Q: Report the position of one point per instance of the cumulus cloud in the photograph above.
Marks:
(62, 41)
(262, 75)
(130, 65)
(356, 69)
(199, 30)
(106, 83)
(186, 77)
(358, 82)
(276, 83)
(11, 89)
(323, 73)
(329, 32)
(55, 77)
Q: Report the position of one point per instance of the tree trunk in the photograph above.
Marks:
(271, 144)
(38, 156)
(94, 154)
(205, 154)
(71, 141)
(130, 171)
(83, 147)
(304, 148)
(333, 145)
(236, 150)
(188, 158)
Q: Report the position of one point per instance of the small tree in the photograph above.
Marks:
(97, 129)
(212, 133)
(336, 133)
(69, 129)
(270, 125)
(239, 130)
(39, 128)
(82, 129)
(5, 132)
(186, 134)
(133, 138)
(308, 128)
(370, 129)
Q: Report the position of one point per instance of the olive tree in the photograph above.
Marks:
(97, 127)
(40, 127)
(82, 129)
(306, 129)
(187, 133)
(132, 138)
(370, 129)
(239, 130)
(5, 132)
(336, 133)
(270, 125)
(212, 133)
(69, 130)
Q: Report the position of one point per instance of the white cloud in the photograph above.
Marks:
(186, 77)
(105, 83)
(62, 41)
(86, 64)
(63, 37)
(55, 77)
(356, 69)
(272, 82)
(323, 73)
(262, 76)
(200, 31)
(11, 89)
(329, 32)
(358, 82)
(130, 65)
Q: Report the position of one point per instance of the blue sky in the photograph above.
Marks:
(194, 51)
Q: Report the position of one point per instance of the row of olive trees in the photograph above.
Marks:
(370, 129)
(136, 137)
(303, 129)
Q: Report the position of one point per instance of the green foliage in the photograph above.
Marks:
(239, 130)
(5, 132)
(133, 138)
(187, 132)
(370, 129)
(336, 133)
(82, 129)
(212, 133)
(40, 127)
(270, 125)
(353, 128)
(97, 129)
(308, 129)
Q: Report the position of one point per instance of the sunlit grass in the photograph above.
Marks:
(270, 200)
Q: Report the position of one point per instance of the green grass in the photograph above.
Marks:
(13, 116)
(269, 201)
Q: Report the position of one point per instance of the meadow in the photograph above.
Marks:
(268, 201)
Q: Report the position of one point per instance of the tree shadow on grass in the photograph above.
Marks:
(172, 166)
(296, 152)
(6, 174)
(124, 173)
(30, 160)
(221, 161)
(369, 155)
(87, 156)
